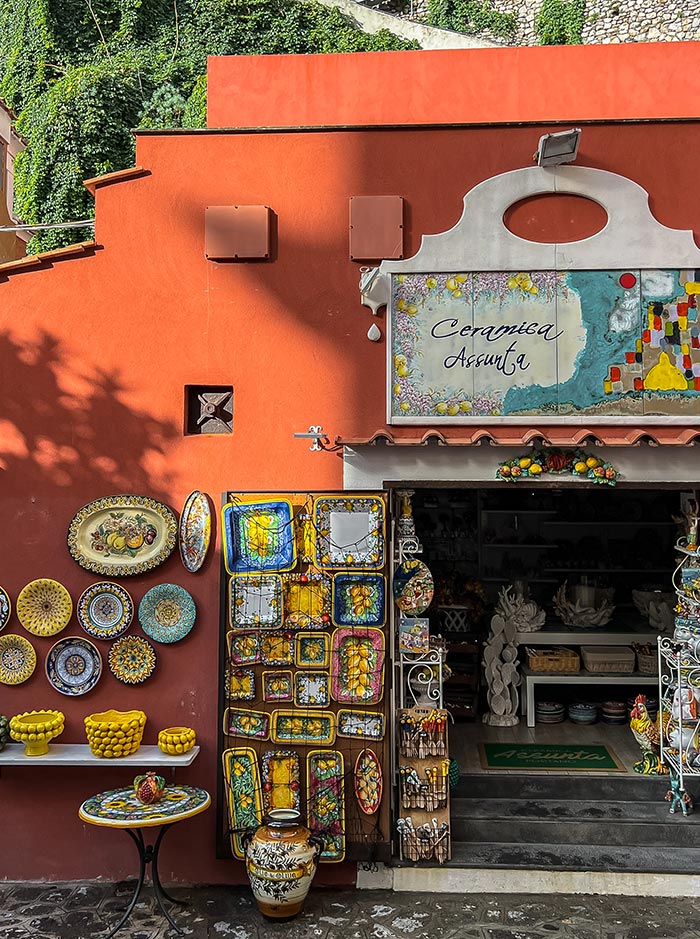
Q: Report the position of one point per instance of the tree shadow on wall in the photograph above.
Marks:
(66, 431)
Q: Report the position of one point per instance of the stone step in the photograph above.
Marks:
(569, 788)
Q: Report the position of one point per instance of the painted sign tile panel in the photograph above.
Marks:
(499, 345)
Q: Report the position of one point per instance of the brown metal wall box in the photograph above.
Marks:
(376, 227)
(237, 232)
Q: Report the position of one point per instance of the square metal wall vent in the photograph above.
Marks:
(208, 409)
(237, 232)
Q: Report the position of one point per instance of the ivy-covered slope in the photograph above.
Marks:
(81, 73)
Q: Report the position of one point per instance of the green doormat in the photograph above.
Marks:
(524, 756)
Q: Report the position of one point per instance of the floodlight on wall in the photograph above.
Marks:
(561, 147)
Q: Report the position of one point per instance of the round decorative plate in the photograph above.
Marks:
(5, 608)
(73, 665)
(17, 659)
(105, 610)
(195, 530)
(413, 587)
(122, 535)
(167, 613)
(132, 659)
(44, 607)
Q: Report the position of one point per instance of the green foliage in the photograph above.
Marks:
(81, 73)
(560, 22)
(471, 17)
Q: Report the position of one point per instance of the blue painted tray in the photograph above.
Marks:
(359, 599)
(258, 536)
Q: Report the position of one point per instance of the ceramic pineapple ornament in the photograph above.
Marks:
(149, 788)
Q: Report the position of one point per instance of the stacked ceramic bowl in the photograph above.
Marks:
(549, 712)
(583, 712)
(176, 740)
(614, 712)
(115, 733)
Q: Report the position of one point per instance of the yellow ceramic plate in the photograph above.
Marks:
(17, 659)
(44, 607)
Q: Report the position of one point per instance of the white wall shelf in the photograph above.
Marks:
(80, 754)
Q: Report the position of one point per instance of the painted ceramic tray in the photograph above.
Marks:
(307, 600)
(361, 724)
(413, 587)
(242, 794)
(5, 608)
(359, 599)
(241, 723)
(44, 607)
(349, 533)
(278, 686)
(277, 648)
(105, 610)
(194, 531)
(132, 659)
(311, 689)
(369, 781)
(17, 659)
(243, 647)
(280, 780)
(302, 727)
(241, 684)
(357, 665)
(73, 665)
(122, 535)
(255, 600)
(313, 650)
(258, 536)
(325, 801)
(167, 613)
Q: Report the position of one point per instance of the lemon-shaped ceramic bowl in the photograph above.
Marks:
(112, 734)
(176, 740)
(36, 729)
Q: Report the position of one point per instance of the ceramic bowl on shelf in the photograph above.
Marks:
(35, 729)
(112, 734)
(176, 740)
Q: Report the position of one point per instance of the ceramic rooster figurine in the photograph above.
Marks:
(647, 734)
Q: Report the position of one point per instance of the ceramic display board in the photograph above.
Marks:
(73, 665)
(194, 531)
(258, 536)
(255, 600)
(105, 610)
(167, 613)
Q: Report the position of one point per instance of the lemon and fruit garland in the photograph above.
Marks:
(559, 462)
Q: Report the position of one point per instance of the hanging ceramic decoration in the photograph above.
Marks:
(240, 685)
(132, 659)
(280, 780)
(349, 532)
(413, 587)
(105, 610)
(311, 689)
(242, 794)
(243, 647)
(73, 665)
(255, 600)
(5, 608)
(44, 607)
(258, 536)
(278, 686)
(313, 650)
(17, 659)
(303, 727)
(167, 613)
(194, 531)
(357, 665)
(325, 801)
(240, 723)
(369, 782)
(277, 648)
(359, 599)
(122, 535)
(361, 724)
(307, 600)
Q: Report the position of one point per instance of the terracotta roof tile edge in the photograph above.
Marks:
(46, 257)
(118, 176)
(551, 436)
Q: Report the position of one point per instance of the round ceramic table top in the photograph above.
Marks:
(120, 808)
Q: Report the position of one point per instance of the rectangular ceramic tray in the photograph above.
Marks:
(367, 725)
(239, 722)
(242, 793)
(302, 727)
(325, 801)
(280, 780)
(357, 665)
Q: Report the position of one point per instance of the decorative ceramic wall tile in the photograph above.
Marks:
(313, 650)
(278, 686)
(311, 689)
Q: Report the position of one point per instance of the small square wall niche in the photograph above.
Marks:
(376, 227)
(237, 232)
(208, 409)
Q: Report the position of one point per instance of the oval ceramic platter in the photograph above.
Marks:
(44, 607)
(369, 782)
(73, 665)
(105, 610)
(17, 659)
(122, 535)
(413, 587)
(5, 608)
(167, 613)
(195, 530)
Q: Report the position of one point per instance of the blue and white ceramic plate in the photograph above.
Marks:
(5, 608)
(105, 610)
(73, 665)
(167, 613)
(258, 536)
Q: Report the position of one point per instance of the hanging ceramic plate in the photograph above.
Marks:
(413, 587)
(5, 608)
(122, 535)
(17, 659)
(44, 607)
(258, 536)
(359, 600)
(105, 610)
(349, 532)
(195, 530)
(132, 659)
(73, 665)
(369, 782)
(167, 613)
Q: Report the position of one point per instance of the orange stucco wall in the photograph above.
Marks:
(96, 352)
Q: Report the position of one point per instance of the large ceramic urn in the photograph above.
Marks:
(281, 862)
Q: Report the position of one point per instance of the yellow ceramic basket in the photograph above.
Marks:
(35, 729)
(112, 734)
(176, 740)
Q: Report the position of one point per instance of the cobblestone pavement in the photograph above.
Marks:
(88, 910)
